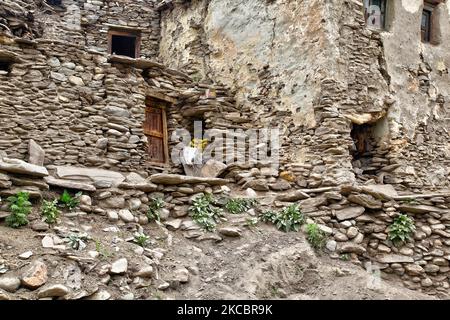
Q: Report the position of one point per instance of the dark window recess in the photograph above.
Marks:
(375, 13)
(54, 2)
(5, 66)
(123, 45)
(425, 26)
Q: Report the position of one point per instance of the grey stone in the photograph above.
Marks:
(119, 266)
(292, 196)
(126, 215)
(230, 231)
(22, 167)
(9, 283)
(69, 184)
(349, 213)
(55, 290)
(36, 153)
(174, 179)
(365, 200)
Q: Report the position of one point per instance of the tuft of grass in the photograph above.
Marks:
(239, 205)
(315, 236)
(141, 239)
(20, 208)
(205, 212)
(50, 211)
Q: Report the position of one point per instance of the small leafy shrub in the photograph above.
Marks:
(50, 211)
(205, 213)
(156, 205)
(237, 206)
(20, 208)
(315, 236)
(77, 241)
(290, 219)
(69, 202)
(401, 229)
(141, 239)
(269, 216)
(251, 222)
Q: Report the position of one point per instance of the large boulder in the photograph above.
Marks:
(22, 167)
(212, 169)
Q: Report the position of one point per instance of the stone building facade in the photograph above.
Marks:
(361, 98)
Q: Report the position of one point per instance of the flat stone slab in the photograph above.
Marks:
(381, 191)
(421, 209)
(22, 167)
(349, 213)
(90, 175)
(69, 184)
(394, 258)
(292, 196)
(174, 179)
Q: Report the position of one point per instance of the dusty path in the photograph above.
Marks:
(262, 263)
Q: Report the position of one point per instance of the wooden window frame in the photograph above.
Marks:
(426, 32)
(152, 102)
(124, 33)
(383, 14)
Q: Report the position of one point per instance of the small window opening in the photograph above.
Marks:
(425, 27)
(5, 67)
(375, 13)
(54, 2)
(429, 24)
(124, 44)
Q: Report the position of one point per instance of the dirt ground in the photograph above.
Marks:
(263, 263)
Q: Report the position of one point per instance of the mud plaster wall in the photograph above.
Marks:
(316, 68)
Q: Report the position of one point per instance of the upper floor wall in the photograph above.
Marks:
(89, 22)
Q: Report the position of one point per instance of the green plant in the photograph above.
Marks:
(66, 200)
(290, 219)
(236, 206)
(316, 236)
(77, 241)
(344, 257)
(50, 211)
(20, 208)
(251, 222)
(205, 212)
(269, 216)
(141, 239)
(401, 229)
(155, 206)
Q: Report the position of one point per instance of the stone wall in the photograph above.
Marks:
(316, 71)
(85, 109)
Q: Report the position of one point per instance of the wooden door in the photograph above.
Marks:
(155, 128)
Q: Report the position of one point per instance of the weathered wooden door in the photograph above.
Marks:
(155, 128)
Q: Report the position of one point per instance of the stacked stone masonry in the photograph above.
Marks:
(310, 68)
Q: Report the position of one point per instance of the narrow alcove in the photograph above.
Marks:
(368, 158)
